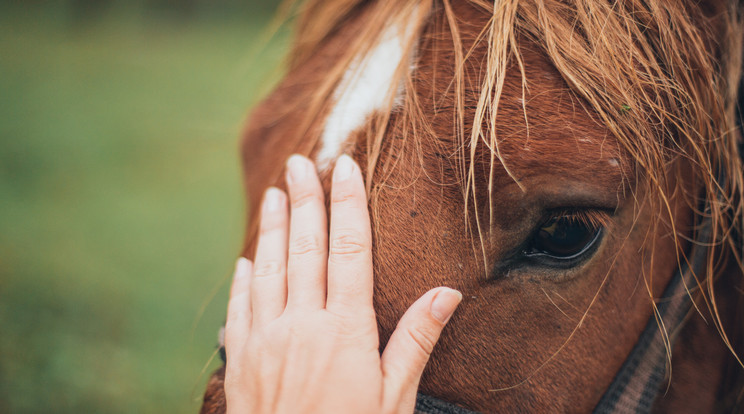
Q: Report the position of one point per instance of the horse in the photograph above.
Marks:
(571, 166)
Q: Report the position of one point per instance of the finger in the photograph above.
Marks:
(269, 282)
(241, 284)
(238, 322)
(413, 340)
(308, 238)
(350, 246)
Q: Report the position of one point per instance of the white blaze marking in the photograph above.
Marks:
(365, 88)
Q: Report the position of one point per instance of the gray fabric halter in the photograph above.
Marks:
(639, 380)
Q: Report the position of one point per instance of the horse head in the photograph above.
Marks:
(557, 161)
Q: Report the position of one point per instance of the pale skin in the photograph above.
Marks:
(301, 332)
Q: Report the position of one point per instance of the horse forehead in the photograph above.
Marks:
(545, 128)
(542, 128)
(367, 87)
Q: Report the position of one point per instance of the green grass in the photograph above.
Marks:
(121, 206)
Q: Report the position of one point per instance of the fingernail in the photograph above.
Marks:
(445, 303)
(242, 268)
(297, 169)
(272, 200)
(344, 167)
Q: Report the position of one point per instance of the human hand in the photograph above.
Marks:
(301, 332)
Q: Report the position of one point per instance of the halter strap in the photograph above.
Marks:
(639, 380)
(430, 405)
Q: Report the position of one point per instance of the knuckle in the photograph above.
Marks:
(267, 268)
(270, 224)
(298, 331)
(236, 304)
(236, 324)
(233, 382)
(236, 381)
(301, 198)
(305, 244)
(230, 323)
(349, 244)
(342, 196)
(422, 338)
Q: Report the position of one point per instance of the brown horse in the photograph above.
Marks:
(571, 166)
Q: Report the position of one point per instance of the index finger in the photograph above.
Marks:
(350, 241)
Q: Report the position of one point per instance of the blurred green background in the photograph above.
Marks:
(121, 205)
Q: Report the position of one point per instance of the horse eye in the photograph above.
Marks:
(563, 238)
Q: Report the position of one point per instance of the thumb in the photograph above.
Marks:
(410, 345)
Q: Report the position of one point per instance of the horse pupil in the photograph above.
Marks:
(563, 238)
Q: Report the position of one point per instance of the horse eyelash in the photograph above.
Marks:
(590, 218)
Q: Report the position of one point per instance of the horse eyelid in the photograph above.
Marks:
(594, 218)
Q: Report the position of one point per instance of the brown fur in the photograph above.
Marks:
(451, 197)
